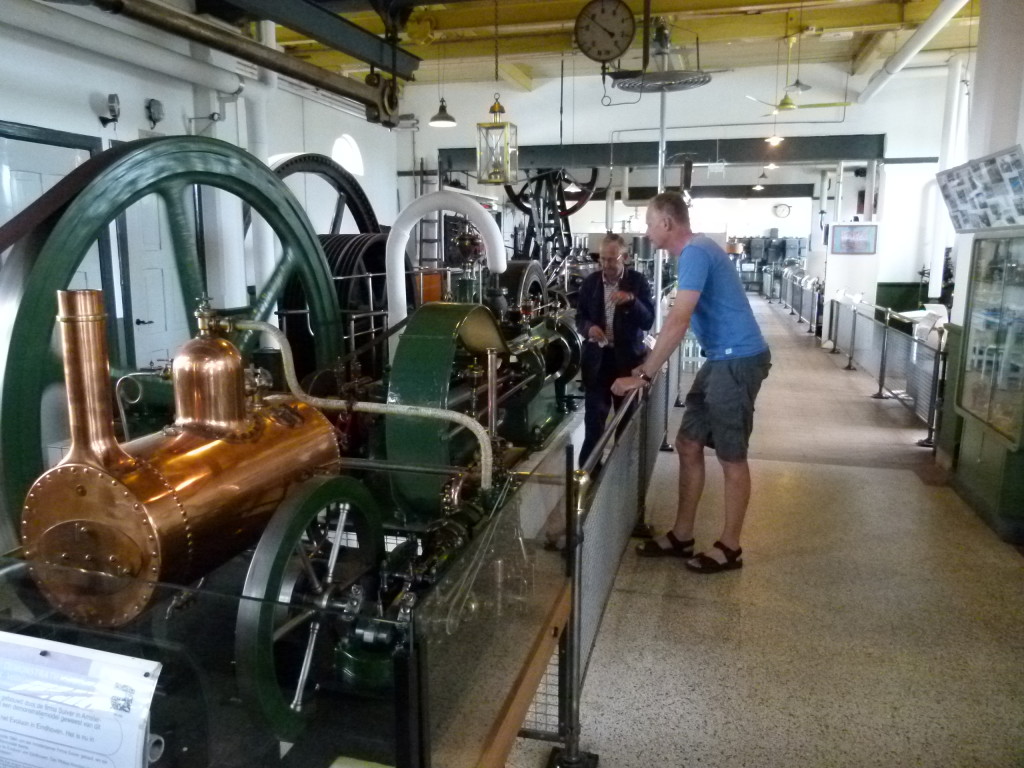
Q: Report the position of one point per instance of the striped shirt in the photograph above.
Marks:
(609, 310)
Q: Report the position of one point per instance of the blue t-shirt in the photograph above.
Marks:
(722, 321)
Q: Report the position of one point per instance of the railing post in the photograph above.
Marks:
(570, 756)
(812, 321)
(933, 400)
(853, 340)
(833, 326)
(642, 529)
(880, 394)
(792, 285)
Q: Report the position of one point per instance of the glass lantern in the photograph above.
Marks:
(497, 148)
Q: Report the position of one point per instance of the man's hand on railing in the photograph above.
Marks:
(625, 385)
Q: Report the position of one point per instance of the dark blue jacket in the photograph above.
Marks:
(630, 321)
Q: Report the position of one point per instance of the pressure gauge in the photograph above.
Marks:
(781, 210)
(604, 29)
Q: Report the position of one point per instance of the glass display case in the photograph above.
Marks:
(286, 680)
(992, 383)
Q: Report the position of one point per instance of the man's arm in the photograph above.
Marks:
(671, 336)
(584, 314)
(642, 309)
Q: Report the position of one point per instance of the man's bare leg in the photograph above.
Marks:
(737, 497)
(691, 486)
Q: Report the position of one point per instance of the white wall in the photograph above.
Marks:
(58, 86)
(909, 111)
(53, 85)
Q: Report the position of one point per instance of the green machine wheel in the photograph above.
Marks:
(323, 539)
(54, 234)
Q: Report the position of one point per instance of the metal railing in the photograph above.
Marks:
(604, 500)
(801, 295)
(905, 367)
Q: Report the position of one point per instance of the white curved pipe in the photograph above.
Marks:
(384, 409)
(941, 16)
(494, 245)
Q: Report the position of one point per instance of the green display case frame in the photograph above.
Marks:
(991, 381)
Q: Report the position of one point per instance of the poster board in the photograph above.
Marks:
(64, 705)
(987, 193)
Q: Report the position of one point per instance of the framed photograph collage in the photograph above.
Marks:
(986, 193)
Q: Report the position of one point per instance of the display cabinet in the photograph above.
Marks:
(992, 384)
(285, 680)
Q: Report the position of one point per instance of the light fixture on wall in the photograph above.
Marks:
(443, 118)
(774, 140)
(154, 111)
(113, 110)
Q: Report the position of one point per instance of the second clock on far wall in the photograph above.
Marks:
(605, 29)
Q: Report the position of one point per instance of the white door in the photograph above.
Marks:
(158, 315)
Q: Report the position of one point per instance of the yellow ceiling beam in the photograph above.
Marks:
(515, 75)
(512, 13)
(877, 46)
(464, 31)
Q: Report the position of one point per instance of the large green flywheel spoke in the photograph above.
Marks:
(70, 218)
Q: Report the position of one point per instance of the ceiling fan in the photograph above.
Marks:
(786, 103)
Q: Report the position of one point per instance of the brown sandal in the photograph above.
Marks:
(676, 547)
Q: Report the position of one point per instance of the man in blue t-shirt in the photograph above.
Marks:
(720, 405)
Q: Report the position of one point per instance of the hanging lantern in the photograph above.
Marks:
(497, 148)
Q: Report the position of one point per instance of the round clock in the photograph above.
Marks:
(781, 210)
(604, 29)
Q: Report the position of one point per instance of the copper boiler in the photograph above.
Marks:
(171, 506)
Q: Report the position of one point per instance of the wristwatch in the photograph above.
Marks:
(645, 377)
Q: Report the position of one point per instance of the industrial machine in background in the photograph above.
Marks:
(300, 554)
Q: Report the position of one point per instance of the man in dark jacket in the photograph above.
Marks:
(614, 310)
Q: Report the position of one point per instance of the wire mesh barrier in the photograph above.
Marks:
(905, 367)
(603, 503)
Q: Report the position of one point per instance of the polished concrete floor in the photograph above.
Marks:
(877, 621)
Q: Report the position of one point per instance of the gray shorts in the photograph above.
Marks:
(720, 405)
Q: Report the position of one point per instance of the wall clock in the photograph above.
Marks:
(604, 29)
(781, 210)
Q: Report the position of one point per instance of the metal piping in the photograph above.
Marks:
(191, 28)
(383, 409)
(394, 259)
(921, 37)
(89, 36)
(83, 329)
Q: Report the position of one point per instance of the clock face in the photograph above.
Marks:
(605, 29)
(781, 210)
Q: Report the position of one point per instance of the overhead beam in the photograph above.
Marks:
(515, 75)
(874, 48)
(795, 149)
(308, 18)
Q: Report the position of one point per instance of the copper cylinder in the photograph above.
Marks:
(83, 329)
(169, 507)
(209, 387)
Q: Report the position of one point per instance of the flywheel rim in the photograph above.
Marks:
(38, 267)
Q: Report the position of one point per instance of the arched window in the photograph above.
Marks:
(346, 154)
